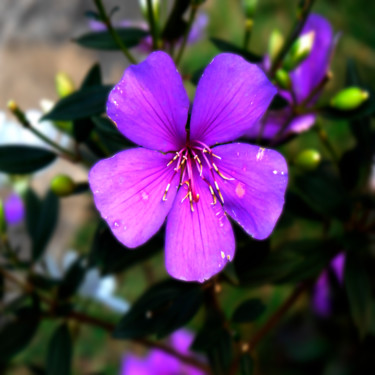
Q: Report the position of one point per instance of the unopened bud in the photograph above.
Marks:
(283, 80)
(15, 109)
(349, 98)
(299, 51)
(3, 224)
(62, 185)
(275, 44)
(308, 159)
(249, 7)
(155, 8)
(64, 85)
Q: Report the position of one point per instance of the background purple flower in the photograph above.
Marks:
(14, 209)
(305, 79)
(158, 362)
(322, 292)
(197, 184)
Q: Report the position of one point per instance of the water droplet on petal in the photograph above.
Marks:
(274, 172)
(115, 224)
(125, 228)
(144, 195)
(222, 254)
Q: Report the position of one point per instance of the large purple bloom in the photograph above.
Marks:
(161, 363)
(305, 79)
(182, 173)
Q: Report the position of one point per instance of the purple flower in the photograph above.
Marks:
(322, 292)
(161, 363)
(305, 79)
(184, 173)
(14, 209)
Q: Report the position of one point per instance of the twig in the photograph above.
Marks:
(107, 21)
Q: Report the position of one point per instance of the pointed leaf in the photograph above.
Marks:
(24, 159)
(248, 311)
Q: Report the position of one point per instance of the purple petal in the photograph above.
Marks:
(322, 296)
(134, 365)
(198, 28)
(128, 191)
(14, 209)
(231, 97)
(338, 264)
(275, 120)
(199, 243)
(150, 105)
(255, 197)
(312, 71)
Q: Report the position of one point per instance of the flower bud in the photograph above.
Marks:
(299, 51)
(64, 85)
(349, 98)
(283, 80)
(62, 185)
(308, 159)
(3, 224)
(275, 44)
(249, 7)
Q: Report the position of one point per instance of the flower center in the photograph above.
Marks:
(196, 159)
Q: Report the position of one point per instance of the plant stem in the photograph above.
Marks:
(322, 134)
(248, 29)
(106, 19)
(302, 15)
(153, 26)
(277, 315)
(21, 117)
(193, 13)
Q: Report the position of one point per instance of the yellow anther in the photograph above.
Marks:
(218, 190)
(166, 192)
(216, 156)
(213, 195)
(225, 178)
(215, 167)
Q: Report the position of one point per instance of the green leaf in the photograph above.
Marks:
(93, 77)
(103, 40)
(86, 102)
(17, 334)
(162, 309)
(41, 221)
(113, 257)
(322, 190)
(72, 279)
(246, 364)
(248, 311)
(60, 351)
(24, 159)
(82, 129)
(224, 46)
(358, 289)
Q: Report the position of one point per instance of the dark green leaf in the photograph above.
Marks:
(248, 311)
(82, 129)
(72, 279)
(45, 222)
(17, 334)
(216, 342)
(43, 282)
(246, 364)
(112, 257)
(33, 208)
(103, 40)
(162, 309)
(60, 351)
(296, 206)
(93, 77)
(322, 190)
(24, 159)
(86, 102)
(2, 287)
(358, 288)
(175, 26)
(224, 46)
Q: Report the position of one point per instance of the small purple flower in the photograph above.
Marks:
(305, 79)
(184, 173)
(322, 293)
(14, 209)
(161, 363)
